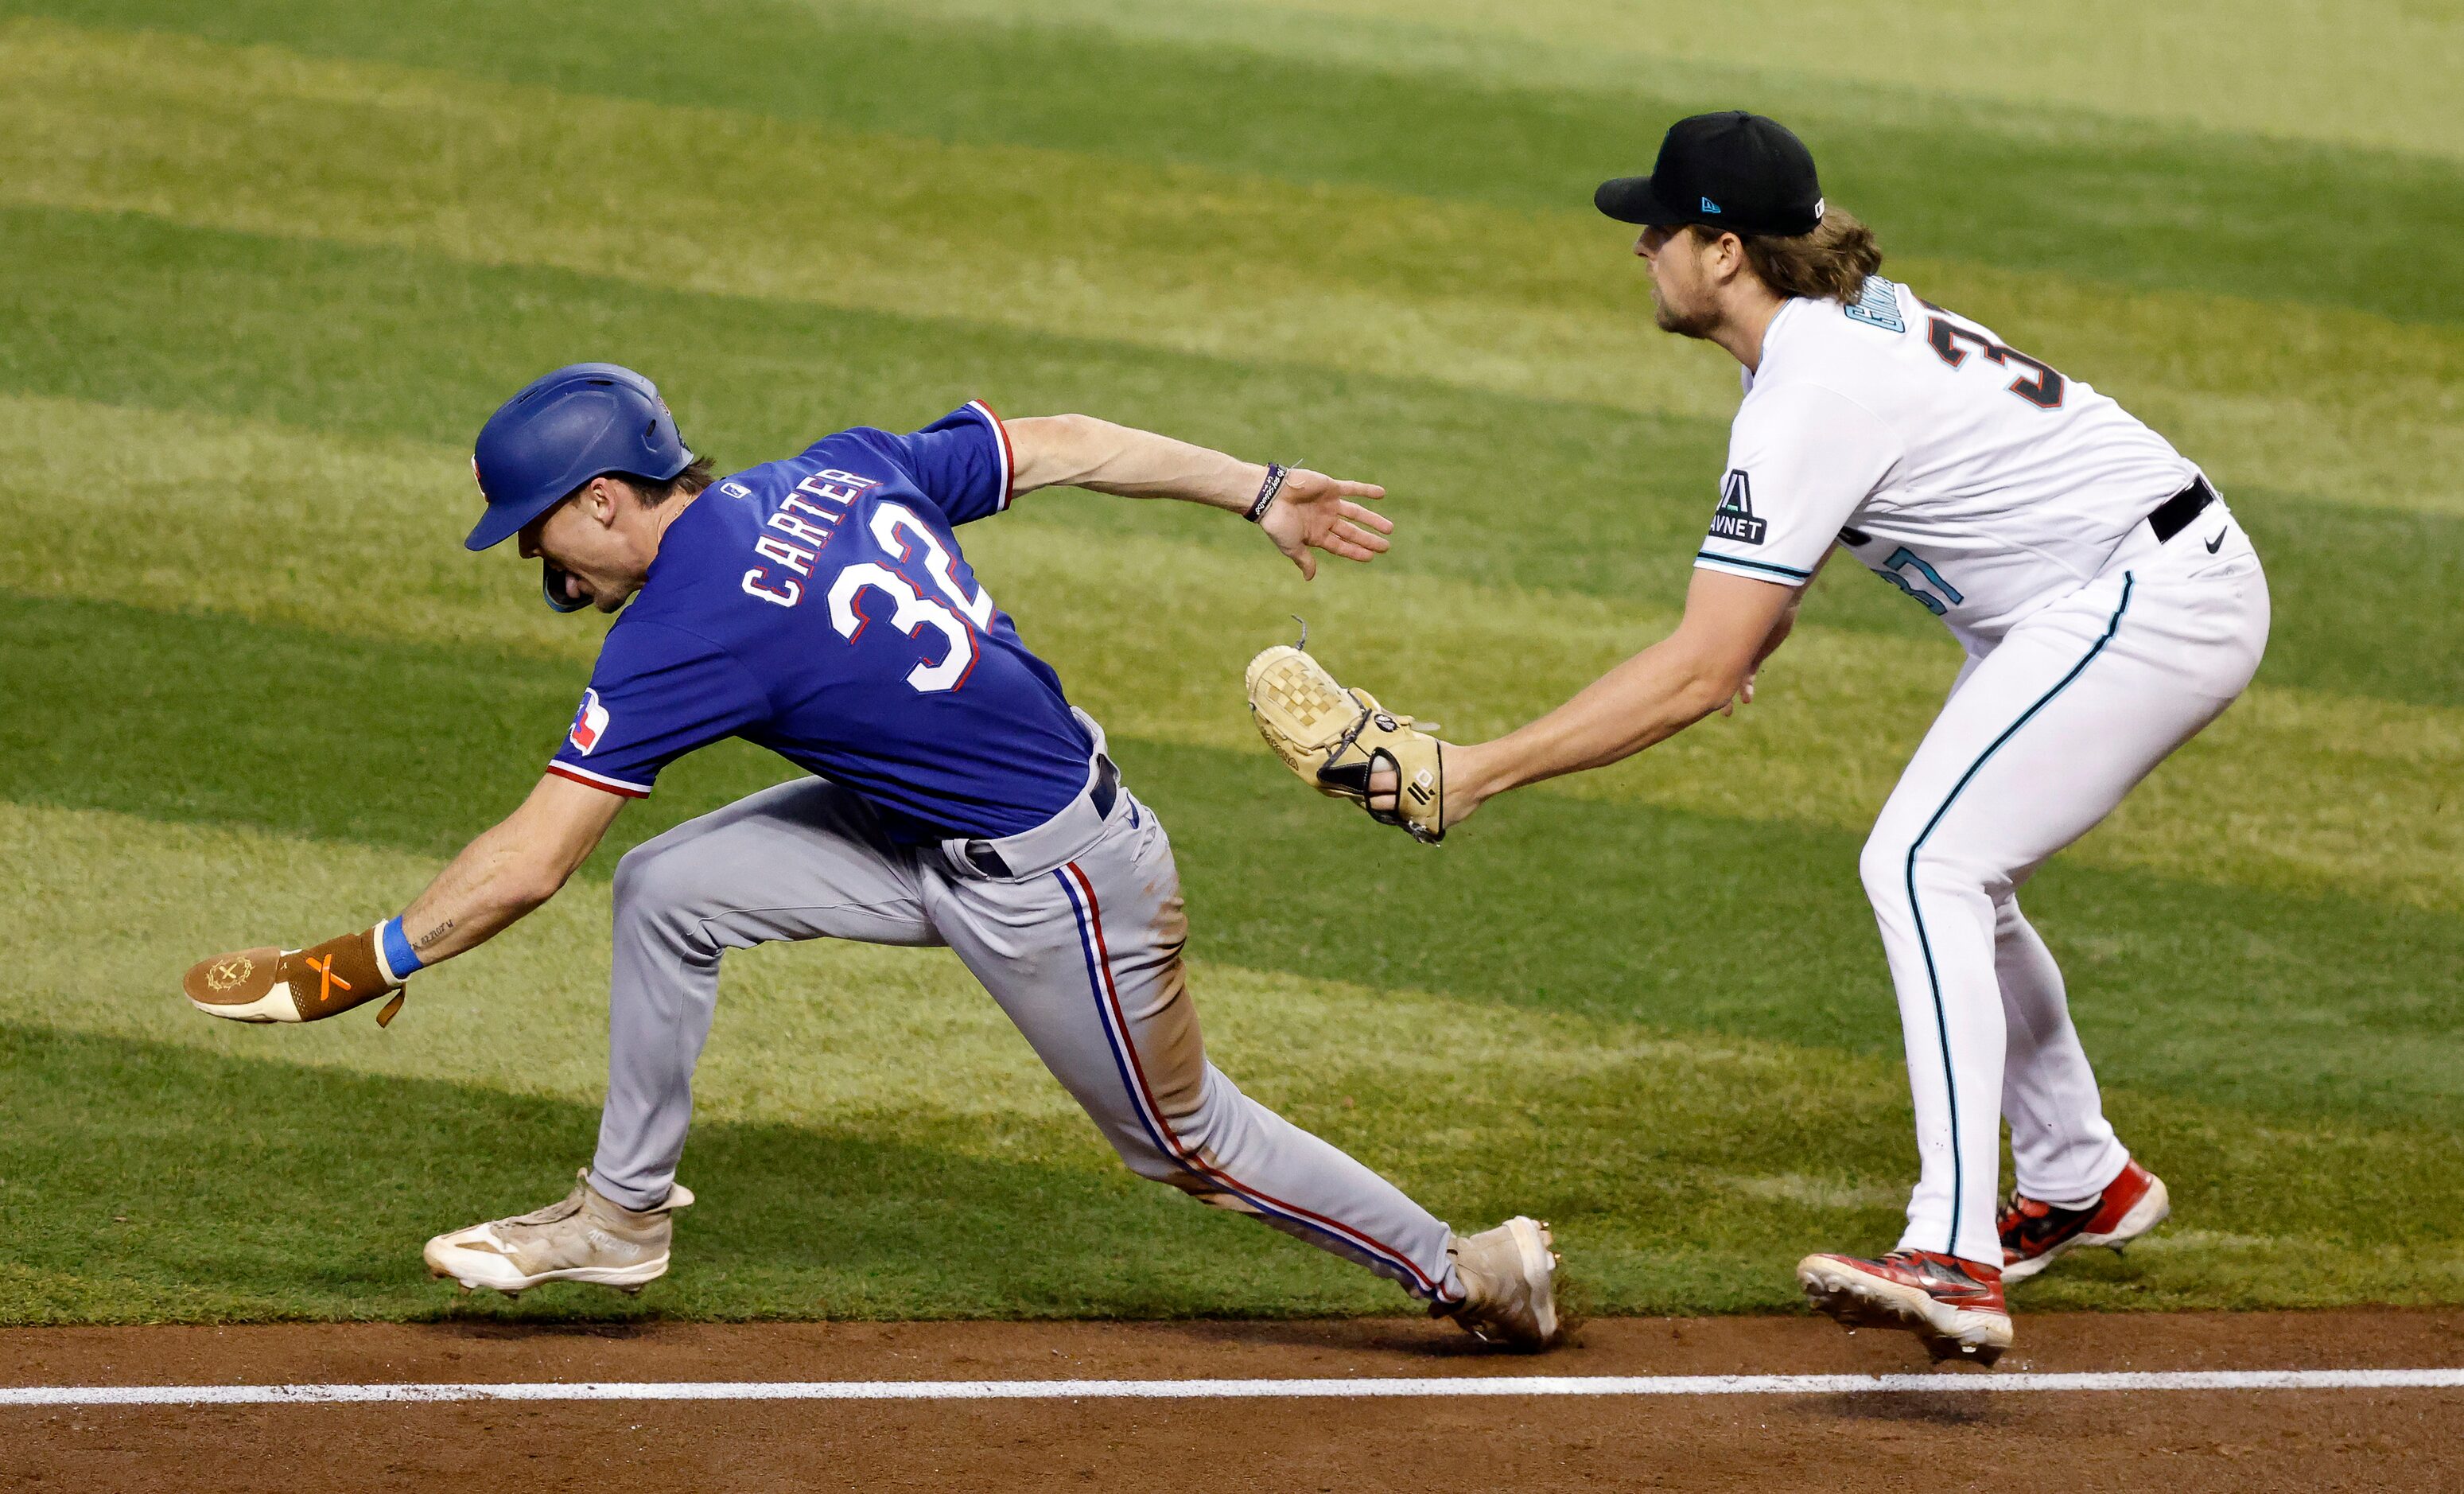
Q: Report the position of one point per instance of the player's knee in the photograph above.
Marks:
(1157, 1167)
(1892, 865)
(1166, 1159)
(1885, 864)
(1142, 1156)
(651, 879)
(634, 875)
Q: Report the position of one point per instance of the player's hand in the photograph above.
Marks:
(294, 985)
(1467, 786)
(1778, 636)
(1745, 697)
(1316, 512)
(1456, 809)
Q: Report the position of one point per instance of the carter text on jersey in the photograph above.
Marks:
(808, 536)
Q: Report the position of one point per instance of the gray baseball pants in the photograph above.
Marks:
(1081, 945)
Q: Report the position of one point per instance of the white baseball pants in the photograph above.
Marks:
(2040, 740)
(1081, 945)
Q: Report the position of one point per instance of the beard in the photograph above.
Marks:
(1696, 323)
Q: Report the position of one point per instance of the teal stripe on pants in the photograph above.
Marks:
(1933, 977)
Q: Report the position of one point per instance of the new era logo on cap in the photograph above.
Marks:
(1708, 206)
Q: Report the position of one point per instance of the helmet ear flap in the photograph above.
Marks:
(552, 579)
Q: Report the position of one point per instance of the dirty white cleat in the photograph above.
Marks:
(1508, 1277)
(1953, 1307)
(587, 1237)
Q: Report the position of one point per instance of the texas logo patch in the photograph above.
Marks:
(589, 724)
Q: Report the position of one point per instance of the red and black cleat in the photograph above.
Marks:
(1954, 1305)
(2034, 1235)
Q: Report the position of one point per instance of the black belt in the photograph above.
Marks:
(1105, 792)
(2175, 514)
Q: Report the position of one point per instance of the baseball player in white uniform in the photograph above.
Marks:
(2109, 606)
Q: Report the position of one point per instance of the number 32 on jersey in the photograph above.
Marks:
(954, 614)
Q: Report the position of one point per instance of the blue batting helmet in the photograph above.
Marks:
(564, 428)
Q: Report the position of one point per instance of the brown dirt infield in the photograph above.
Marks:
(2183, 1442)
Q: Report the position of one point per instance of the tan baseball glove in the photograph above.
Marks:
(294, 985)
(1334, 738)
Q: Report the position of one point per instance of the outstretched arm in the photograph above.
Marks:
(506, 873)
(1311, 512)
(1731, 625)
(513, 867)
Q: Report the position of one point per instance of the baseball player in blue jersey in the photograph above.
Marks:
(820, 605)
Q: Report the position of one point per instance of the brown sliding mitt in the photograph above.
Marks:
(294, 985)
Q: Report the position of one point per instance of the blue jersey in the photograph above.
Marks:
(819, 608)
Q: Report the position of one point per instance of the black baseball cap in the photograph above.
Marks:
(1735, 170)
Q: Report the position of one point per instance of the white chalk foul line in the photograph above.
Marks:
(1240, 1390)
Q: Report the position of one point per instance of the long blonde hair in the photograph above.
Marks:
(1829, 263)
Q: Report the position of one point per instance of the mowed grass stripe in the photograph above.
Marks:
(2300, 1006)
(2335, 403)
(844, 1084)
(307, 1192)
(2361, 72)
(1155, 632)
(339, 1176)
(131, 309)
(1483, 113)
(2274, 71)
(1490, 487)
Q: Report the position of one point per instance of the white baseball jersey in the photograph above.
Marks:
(2011, 501)
(1967, 473)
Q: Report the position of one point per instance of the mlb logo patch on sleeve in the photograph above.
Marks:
(1735, 519)
(589, 724)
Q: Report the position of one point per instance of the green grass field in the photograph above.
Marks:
(265, 265)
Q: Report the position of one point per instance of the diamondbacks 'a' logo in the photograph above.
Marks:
(1735, 520)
